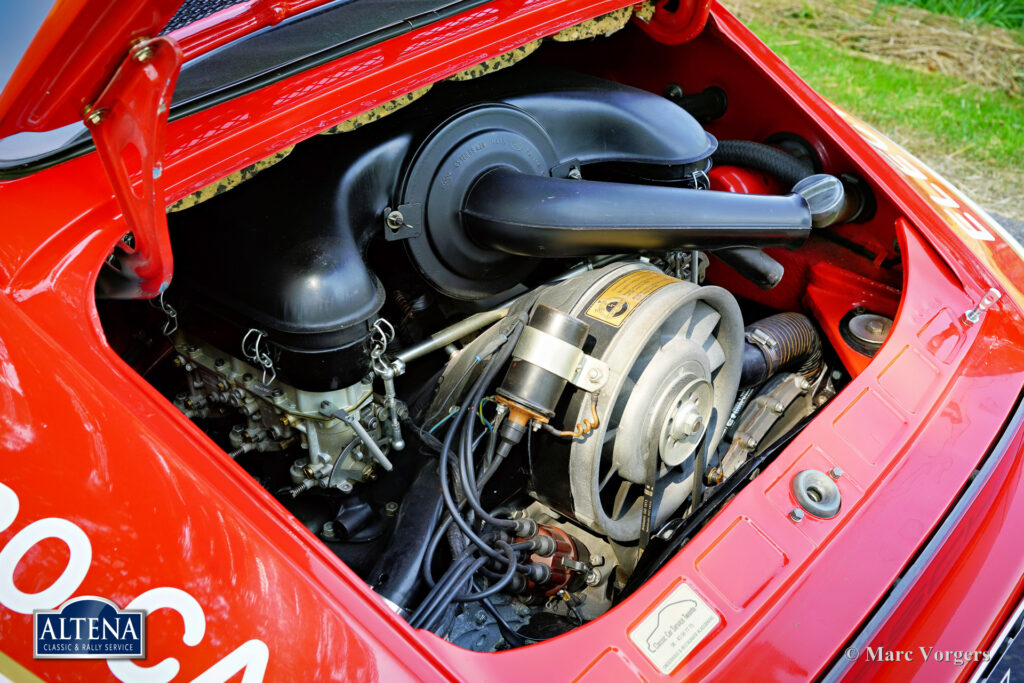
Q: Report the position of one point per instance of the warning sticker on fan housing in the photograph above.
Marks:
(621, 298)
(674, 628)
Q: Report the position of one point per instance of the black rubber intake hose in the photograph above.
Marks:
(850, 202)
(785, 340)
(540, 216)
(788, 169)
(753, 264)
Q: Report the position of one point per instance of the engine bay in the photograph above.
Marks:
(505, 345)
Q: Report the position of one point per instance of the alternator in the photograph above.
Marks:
(674, 352)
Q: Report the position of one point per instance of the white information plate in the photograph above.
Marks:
(674, 628)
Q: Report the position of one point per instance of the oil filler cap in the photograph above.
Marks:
(817, 493)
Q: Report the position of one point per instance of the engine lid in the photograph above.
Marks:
(72, 57)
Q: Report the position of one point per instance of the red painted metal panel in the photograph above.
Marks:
(86, 440)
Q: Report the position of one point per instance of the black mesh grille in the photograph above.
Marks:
(194, 10)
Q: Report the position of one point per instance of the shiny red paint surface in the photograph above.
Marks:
(72, 57)
(86, 440)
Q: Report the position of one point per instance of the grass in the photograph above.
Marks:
(946, 114)
(1005, 13)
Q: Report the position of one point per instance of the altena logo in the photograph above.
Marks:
(89, 628)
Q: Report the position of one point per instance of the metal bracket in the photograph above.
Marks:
(758, 419)
(128, 122)
(561, 358)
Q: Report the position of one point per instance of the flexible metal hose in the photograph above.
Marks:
(785, 340)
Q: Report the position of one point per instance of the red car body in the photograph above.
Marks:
(108, 490)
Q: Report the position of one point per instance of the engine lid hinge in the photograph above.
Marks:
(128, 122)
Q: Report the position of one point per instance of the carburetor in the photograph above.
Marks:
(343, 431)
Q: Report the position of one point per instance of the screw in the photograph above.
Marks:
(480, 617)
(802, 384)
(219, 362)
(796, 514)
(390, 509)
(328, 530)
(715, 476)
(593, 577)
(673, 92)
(595, 375)
(749, 443)
(395, 220)
(778, 407)
(597, 560)
(143, 54)
(94, 116)
(277, 393)
(835, 472)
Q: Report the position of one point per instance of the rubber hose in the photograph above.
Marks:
(786, 168)
(785, 340)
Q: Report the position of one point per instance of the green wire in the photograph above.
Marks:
(443, 420)
(480, 412)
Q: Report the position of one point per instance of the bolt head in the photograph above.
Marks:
(595, 374)
(328, 530)
(143, 54)
(686, 422)
(796, 514)
(835, 472)
(395, 220)
(94, 116)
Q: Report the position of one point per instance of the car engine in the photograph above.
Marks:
(474, 348)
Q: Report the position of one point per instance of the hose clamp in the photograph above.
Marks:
(561, 358)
